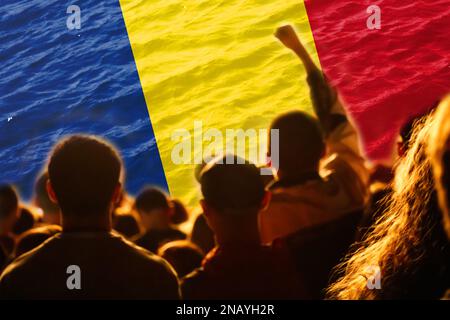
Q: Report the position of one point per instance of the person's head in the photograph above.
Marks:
(233, 195)
(406, 237)
(439, 150)
(50, 209)
(126, 224)
(154, 208)
(183, 255)
(180, 213)
(35, 237)
(25, 221)
(84, 179)
(301, 143)
(9, 208)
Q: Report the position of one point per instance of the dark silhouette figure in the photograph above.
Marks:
(321, 175)
(126, 224)
(202, 235)
(26, 221)
(320, 187)
(86, 260)
(239, 267)
(33, 238)
(155, 209)
(9, 214)
(183, 255)
(180, 213)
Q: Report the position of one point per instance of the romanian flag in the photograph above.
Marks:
(217, 62)
(152, 76)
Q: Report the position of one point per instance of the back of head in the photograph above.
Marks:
(35, 237)
(41, 198)
(24, 222)
(150, 199)
(183, 255)
(301, 142)
(9, 202)
(439, 151)
(126, 224)
(180, 213)
(84, 172)
(232, 188)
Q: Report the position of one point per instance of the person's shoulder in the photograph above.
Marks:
(15, 266)
(153, 269)
(24, 264)
(195, 275)
(135, 249)
(146, 257)
(34, 253)
(138, 238)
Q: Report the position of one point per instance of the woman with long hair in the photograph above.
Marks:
(408, 244)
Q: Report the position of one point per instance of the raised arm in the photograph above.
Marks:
(288, 37)
(340, 136)
(324, 97)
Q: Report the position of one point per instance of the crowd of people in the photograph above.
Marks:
(326, 226)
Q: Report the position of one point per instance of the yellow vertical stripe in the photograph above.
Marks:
(215, 62)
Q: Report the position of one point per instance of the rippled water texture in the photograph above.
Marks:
(55, 82)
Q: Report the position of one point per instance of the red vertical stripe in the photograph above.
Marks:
(387, 75)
